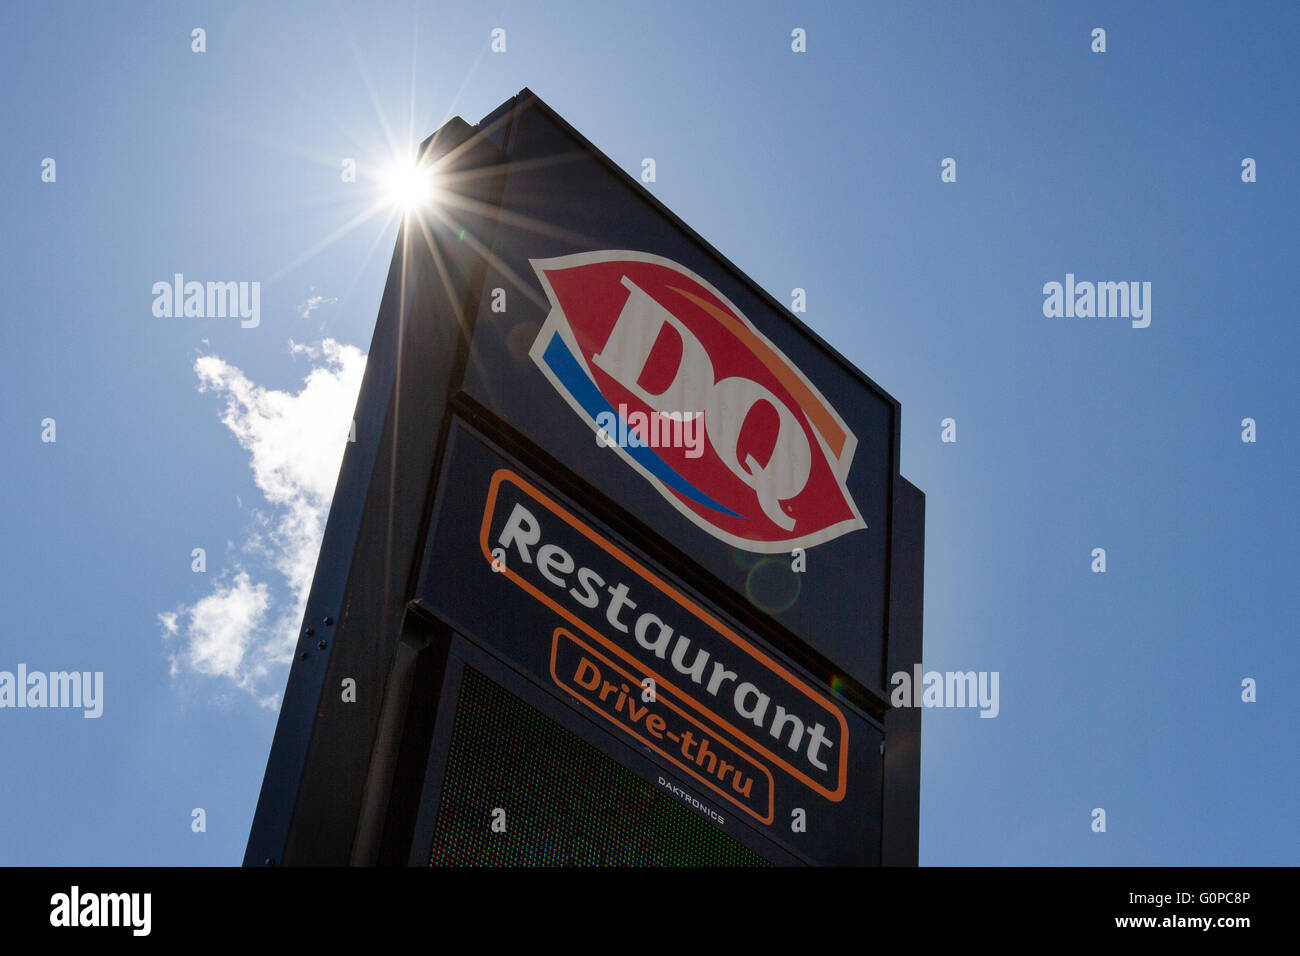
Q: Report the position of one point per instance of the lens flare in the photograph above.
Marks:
(771, 586)
(410, 186)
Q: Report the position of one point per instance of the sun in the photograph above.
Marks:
(409, 185)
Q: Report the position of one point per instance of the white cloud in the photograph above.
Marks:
(220, 628)
(243, 630)
(314, 303)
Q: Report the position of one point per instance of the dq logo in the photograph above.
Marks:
(644, 335)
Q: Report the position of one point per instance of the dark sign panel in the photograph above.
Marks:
(631, 352)
(637, 653)
(602, 812)
(619, 561)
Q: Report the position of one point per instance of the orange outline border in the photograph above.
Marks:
(718, 738)
(505, 474)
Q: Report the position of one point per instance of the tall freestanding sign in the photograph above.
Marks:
(619, 562)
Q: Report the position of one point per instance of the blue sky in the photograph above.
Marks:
(818, 170)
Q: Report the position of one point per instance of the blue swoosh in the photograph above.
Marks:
(582, 388)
